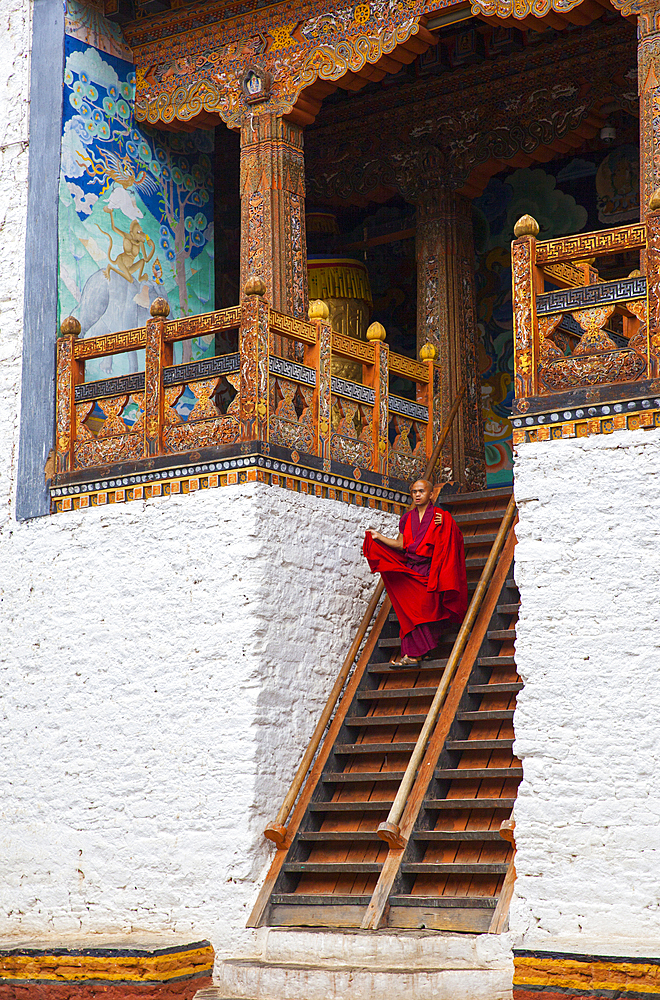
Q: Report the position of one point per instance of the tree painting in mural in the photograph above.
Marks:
(136, 212)
(182, 195)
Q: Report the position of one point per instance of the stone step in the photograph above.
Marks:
(391, 967)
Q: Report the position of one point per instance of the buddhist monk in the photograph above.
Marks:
(423, 570)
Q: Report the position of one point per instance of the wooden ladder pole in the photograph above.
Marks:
(444, 432)
(390, 831)
(276, 831)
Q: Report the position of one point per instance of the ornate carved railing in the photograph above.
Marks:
(251, 394)
(583, 341)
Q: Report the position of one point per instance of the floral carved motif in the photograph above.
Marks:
(593, 369)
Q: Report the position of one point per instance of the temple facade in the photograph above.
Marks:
(263, 266)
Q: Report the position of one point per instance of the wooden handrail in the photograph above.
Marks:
(389, 830)
(276, 831)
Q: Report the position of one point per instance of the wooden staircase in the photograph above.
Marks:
(455, 871)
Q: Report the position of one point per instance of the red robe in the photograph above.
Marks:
(427, 581)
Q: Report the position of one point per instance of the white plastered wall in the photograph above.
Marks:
(588, 721)
(162, 665)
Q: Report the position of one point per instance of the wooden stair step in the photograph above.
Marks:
(461, 902)
(454, 835)
(353, 721)
(352, 805)
(494, 744)
(479, 517)
(511, 687)
(339, 836)
(496, 661)
(476, 562)
(479, 496)
(392, 642)
(360, 777)
(421, 868)
(479, 539)
(388, 694)
(345, 749)
(508, 609)
(501, 633)
(510, 582)
(485, 716)
(436, 804)
(321, 899)
(459, 773)
(333, 868)
(393, 669)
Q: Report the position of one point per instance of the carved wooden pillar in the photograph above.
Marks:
(69, 375)
(648, 75)
(273, 240)
(446, 317)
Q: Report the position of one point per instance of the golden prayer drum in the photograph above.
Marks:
(343, 283)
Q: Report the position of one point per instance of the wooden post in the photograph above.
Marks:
(426, 396)
(648, 83)
(254, 350)
(446, 318)
(273, 239)
(652, 274)
(68, 376)
(320, 357)
(379, 379)
(525, 323)
(154, 362)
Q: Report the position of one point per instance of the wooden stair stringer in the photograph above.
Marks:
(257, 915)
(375, 911)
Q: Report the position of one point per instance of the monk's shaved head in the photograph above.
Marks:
(424, 482)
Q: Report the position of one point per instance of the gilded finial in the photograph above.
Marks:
(654, 200)
(635, 273)
(160, 308)
(70, 325)
(376, 332)
(255, 285)
(428, 352)
(526, 226)
(318, 309)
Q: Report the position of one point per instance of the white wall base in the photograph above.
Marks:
(287, 964)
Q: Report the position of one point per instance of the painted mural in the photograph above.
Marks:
(136, 205)
(568, 196)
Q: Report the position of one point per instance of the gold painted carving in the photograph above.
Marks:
(201, 326)
(408, 368)
(112, 343)
(568, 275)
(351, 348)
(521, 8)
(591, 244)
(291, 327)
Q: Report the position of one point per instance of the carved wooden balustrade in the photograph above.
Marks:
(584, 343)
(251, 399)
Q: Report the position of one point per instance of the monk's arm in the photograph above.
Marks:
(394, 543)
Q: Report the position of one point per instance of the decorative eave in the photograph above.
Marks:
(192, 63)
(201, 72)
